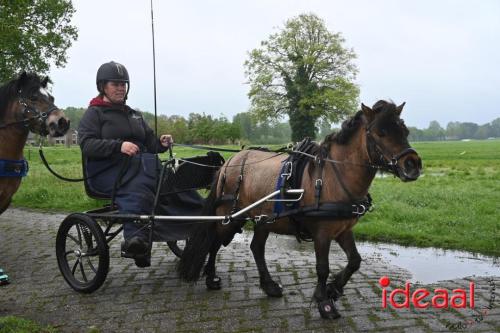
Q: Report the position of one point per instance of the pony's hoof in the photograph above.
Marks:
(272, 288)
(333, 292)
(213, 282)
(327, 309)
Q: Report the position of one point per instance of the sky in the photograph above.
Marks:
(440, 57)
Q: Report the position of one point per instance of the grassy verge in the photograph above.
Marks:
(455, 204)
(12, 324)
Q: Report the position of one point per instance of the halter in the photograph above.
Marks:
(30, 113)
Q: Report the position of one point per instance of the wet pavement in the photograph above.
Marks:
(155, 300)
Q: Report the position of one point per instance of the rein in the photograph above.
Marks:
(44, 160)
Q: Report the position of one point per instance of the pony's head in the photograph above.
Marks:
(387, 141)
(33, 105)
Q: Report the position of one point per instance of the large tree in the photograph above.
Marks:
(34, 34)
(303, 71)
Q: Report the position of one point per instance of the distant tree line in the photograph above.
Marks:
(206, 129)
(456, 131)
(245, 128)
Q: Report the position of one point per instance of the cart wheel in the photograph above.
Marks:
(82, 253)
(177, 247)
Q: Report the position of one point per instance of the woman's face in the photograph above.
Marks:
(115, 92)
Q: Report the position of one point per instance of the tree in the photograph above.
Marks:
(305, 72)
(33, 35)
(434, 132)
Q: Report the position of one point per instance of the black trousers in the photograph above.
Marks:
(135, 189)
(135, 192)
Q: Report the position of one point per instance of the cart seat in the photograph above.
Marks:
(92, 192)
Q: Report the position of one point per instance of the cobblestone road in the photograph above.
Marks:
(155, 300)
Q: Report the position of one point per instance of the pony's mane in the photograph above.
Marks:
(351, 125)
(9, 90)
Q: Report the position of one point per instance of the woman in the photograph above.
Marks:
(118, 144)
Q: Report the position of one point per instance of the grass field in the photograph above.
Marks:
(455, 204)
(10, 324)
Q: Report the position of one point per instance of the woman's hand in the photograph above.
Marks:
(129, 148)
(166, 140)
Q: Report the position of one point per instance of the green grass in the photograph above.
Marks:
(12, 324)
(455, 204)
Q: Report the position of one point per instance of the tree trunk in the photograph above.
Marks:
(302, 125)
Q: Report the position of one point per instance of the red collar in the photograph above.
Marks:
(99, 101)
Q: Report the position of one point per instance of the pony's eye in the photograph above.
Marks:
(381, 132)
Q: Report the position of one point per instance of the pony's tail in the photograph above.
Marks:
(200, 241)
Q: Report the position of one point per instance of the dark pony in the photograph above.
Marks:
(336, 177)
(25, 105)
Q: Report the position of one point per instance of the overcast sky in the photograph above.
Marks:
(441, 57)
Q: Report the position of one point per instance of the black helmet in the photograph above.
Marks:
(111, 71)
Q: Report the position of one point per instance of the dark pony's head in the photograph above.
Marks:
(386, 139)
(26, 102)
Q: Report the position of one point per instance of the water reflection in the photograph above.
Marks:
(426, 265)
(429, 265)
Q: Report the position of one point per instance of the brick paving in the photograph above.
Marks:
(155, 300)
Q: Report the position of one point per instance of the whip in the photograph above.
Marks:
(154, 68)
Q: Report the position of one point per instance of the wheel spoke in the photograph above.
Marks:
(74, 239)
(67, 253)
(79, 235)
(91, 266)
(74, 266)
(83, 272)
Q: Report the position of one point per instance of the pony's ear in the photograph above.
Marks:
(21, 80)
(22, 77)
(399, 109)
(369, 113)
(45, 81)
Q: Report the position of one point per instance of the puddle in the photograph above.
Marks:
(429, 265)
(426, 265)
(382, 175)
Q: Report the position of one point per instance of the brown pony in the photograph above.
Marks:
(335, 180)
(25, 105)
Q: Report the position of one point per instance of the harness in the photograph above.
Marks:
(13, 168)
(291, 177)
(298, 160)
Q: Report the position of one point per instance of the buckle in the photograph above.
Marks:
(288, 170)
(359, 209)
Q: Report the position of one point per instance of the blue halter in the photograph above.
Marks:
(13, 168)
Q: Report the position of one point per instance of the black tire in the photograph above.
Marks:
(177, 247)
(82, 253)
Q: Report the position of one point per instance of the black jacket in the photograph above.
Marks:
(103, 129)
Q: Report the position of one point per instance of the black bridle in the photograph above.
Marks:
(381, 161)
(29, 114)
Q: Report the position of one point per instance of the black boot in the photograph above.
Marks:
(137, 248)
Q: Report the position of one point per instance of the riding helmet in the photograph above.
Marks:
(111, 71)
